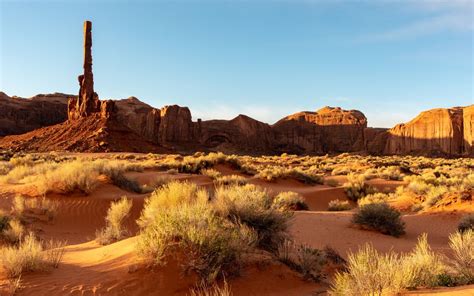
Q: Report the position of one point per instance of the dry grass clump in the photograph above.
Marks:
(290, 201)
(253, 207)
(230, 180)
(272, 173)
(30, 255)
(339, 205)
(373, 198)
(371, 273)
(466, 223)
(356, 188)
(332, 182)
(212, 290)
(34, 206)
(380, 217)
(13, 232)
(306, 260)
(211, 173)
(116, 214)
(178, 218)
(462, 246)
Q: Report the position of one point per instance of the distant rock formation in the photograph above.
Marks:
(326, 130)
(131, 125)
(20, 115)
(436, 131)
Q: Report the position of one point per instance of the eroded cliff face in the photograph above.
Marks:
(20, 115)
(432, 132)
(326, 130)
(468, 130)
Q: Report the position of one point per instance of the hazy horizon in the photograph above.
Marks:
(265, 59)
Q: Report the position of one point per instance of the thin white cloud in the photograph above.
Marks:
(434, 17)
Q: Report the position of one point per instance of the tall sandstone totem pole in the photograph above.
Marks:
(88, 101)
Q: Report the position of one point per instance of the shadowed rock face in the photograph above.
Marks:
(20, 115)
(326, 130)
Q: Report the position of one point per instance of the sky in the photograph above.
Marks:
(263, 58)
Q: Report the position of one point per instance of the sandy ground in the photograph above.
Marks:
(91, 269)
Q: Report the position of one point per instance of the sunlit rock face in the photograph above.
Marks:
(433, 131)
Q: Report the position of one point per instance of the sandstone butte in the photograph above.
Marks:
(84, 123)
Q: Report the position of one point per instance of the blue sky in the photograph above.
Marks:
(263, 58)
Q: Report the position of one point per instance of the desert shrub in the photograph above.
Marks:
(4, 221)
(304, 177)
(466, 223)
(22, 206)
(340, 171)
(290, 201)
(14, 231)
(369, 273)
(211, 173)
(270, 173)
(462, 246)
(339, 205)
(121, 181)
(310, 262)
(332, 182)
(373, 198)
(304, 259)
(54, 252)
(422, 266)
(212, 245)
(356, 188)
(212, 290)
(380, 217)
(434, 195)
(170, 195)
(391, 173)
(230, 180)
(5, 167)
(252, 207)
(27, 256)
(116, 214)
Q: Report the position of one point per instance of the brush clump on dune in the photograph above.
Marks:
(253, 207)
(116, 214)
(339, 205)
(179, 218)
(380, 217)
(290, 201)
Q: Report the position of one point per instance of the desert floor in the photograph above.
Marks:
(91, 269)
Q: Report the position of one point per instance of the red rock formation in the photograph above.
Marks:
(239, 135)
(19, 115)
(468, 130)
(176, 125)
(327, 130)
(431, 132)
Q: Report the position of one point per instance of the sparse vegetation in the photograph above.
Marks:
(462, 245)
(466, 223)
(356, 187)
(380, 217)
(339, 205)
(230, 180)
(290, 201)
(116, 214)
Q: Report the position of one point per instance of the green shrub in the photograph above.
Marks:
(290, 201)
(252, 206)
(466, 223)
(380, 217)
(339, 205)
